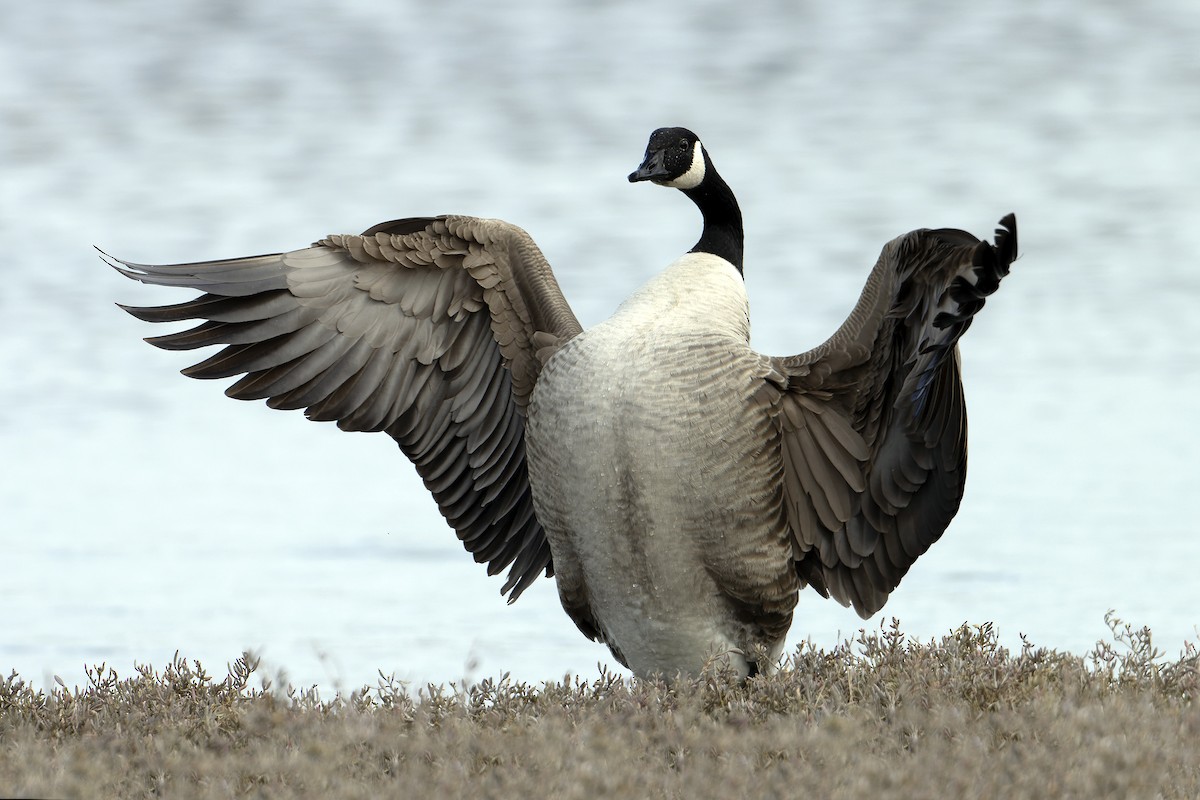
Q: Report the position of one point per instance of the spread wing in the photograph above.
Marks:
(432, 330)
(874, 425)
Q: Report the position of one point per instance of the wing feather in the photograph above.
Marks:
(305, 378)
(423, 328)
(873, 421)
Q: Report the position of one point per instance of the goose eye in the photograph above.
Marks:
(683, 144)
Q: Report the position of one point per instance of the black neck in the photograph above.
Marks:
(722, 235)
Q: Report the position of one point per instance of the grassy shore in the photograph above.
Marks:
(880, 716)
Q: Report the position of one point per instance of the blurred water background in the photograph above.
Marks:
(144, 513)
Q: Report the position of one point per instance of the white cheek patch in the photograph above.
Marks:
(695, 174)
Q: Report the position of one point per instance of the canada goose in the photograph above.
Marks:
(680, 486)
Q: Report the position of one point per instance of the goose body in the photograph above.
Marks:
(632, 424)
(680, 487)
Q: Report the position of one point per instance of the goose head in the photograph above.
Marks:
(676, 158)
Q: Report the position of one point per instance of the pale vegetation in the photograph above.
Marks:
(880, 716)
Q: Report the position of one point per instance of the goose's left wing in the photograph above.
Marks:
(433, 330)
(873, 423)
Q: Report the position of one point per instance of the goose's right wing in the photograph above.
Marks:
(433, 330)
(873, 422)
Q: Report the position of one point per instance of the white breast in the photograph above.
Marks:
(699, 293)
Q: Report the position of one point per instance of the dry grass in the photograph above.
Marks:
(882, 716)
